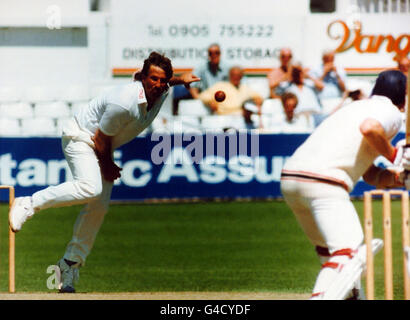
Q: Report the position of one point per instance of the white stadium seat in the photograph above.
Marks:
(10, 94)
(265, 123)
(329, 104)
(213, 123)
(272, 106)
(38, 127)
(259, 84)
(57, 109)
(16, 110)
(96, 90)
(60, 124)
(176, 124)
(144, 132)
(193, 107)
(237, 122)
(355, 84)
(41, 93)
(9, 127)
(159, 125)
(75, 107)
(221, 122)
(75, 93)
(180, 124)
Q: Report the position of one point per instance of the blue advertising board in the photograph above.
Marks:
(165, 166)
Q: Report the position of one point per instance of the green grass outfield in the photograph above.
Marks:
(217, 246)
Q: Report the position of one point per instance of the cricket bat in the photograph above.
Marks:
(407, 110)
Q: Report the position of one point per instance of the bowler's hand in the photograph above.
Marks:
(187, 78)
(110, 172)
(102, 148)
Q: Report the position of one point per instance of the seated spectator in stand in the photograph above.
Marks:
(210, 72)
(249, 109)
(333, 77)
(280, 77)
(236, 95)
(305, 88)
(289, 121)
(289, 104)
(403, 64)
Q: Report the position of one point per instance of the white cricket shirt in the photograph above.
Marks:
(120, 112)
(337, 148)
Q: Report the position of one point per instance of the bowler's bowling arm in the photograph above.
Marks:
(185, 79)
(103, 151)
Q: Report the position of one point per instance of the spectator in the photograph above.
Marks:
(289, 103)
(333, 77)
(288, 121)
(403, 64)
(236, 94)
(305, 88)
(279, 78)
(212, 71)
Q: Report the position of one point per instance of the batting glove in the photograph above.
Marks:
(405, 162)
(402, 151)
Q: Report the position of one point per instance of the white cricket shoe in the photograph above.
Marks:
(21, 210)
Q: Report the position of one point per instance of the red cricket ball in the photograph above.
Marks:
(220, 96)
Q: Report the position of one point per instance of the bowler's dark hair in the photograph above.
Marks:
(158, 60)
(391, 84)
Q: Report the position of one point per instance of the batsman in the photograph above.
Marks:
(88, 141)
(317, 179)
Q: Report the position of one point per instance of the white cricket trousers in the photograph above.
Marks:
(89, 188)
(328, 218)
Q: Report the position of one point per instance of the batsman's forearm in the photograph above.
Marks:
(382, 146)
(375, 136)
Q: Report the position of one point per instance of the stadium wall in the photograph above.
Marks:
(166, 167)
(56, 42)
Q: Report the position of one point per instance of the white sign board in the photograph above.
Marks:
(249, 33)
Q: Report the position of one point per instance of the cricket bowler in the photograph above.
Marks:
(88, 141)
